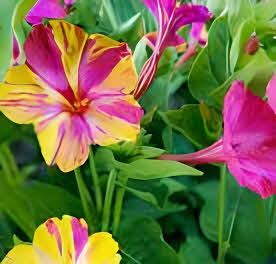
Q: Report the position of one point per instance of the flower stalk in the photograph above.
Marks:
(212, 154)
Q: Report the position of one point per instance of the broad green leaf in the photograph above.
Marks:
(145, 169)
(200, 124)
(142, 239)
(194, 251)
(6, 35)
(140, 54)
(130, 31)
(250, 239)
(29, 206)
(239, 12)
(211, 68)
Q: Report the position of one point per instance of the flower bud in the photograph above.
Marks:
(252, 45)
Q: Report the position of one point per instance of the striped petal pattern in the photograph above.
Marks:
(170, 16)
(75, 89)
(66, 241)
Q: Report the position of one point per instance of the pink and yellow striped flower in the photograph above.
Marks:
(65, 241)
(75, 90)
(170, 16)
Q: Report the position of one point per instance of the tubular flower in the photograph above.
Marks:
(170, 16)
(65, 241)
(248, 146)
(16, 58)
(199, 34)
(74, 89)
(47, 9)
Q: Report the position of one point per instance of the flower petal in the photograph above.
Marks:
(102, 248)
(271, 92)
(22, 254)
(108, 129)
(21, 98)
(99, 58)
(44, 59)
(71, 40)
(45, 9)
(162, 9)
(64, 139)
(250, 140)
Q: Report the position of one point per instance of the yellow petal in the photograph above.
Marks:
(71, 41)
(102, 249)
(22, 100)
(22, 254)
(123, 76)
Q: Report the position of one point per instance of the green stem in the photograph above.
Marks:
(108, 200)
(95, 178)
(273, 211)
(86, 200)
(221, 208)
(120, 193)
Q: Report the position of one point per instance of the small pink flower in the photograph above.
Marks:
(47, 9)
(170, 16)
(248, 146)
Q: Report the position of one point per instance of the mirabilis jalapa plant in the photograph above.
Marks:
(248, 146)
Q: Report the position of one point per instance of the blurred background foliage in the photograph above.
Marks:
(165, 220)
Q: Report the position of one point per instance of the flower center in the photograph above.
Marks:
(81, 106)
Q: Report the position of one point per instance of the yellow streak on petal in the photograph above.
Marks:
(123, 76)
(22, 254)
(71, 41)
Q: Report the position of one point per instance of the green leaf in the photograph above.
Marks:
(136, 233)
(140, 54)
(6, 234)
(144, 169)
(130, 31)
(216, 6)
(239, 12)
(246, 235)
(6, 35)
(195, 251)
(211, 68)
(29, 206)
(200, 124)
(20, 26)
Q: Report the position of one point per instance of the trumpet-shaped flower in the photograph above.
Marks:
(47, 9)
(65, 241)
(74, 89)
(170, 16)
(249, 143)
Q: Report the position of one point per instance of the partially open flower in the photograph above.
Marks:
(75, 89)
(170, 16)
(248, 146)
(65, 241)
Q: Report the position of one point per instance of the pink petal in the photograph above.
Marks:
(80, 236)
(45, 9)
(271, 92)
(196, 30)
(44, 59)
(162, 9)
(94, 69)
(250, 140)
(69, 2)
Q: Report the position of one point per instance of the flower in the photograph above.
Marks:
(16, 56)
(248, 146)
(65, 241)
(170, 16)
(47, 9)
(271, 92)
(199, 34)
(74, 89)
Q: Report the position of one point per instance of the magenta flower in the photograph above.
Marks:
(170, 16)
(199, 34)
(248, 146)
(271, 92)
(47, 9)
